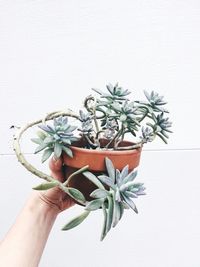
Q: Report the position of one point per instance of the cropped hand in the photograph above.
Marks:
(55, 197)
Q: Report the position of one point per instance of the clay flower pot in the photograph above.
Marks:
(96, 161)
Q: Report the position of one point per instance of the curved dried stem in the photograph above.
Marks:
(20, 155)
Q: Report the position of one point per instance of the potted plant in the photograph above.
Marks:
(101, 147)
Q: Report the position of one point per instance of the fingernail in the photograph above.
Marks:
(55, 159)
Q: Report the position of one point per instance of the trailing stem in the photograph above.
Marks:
(19, 154)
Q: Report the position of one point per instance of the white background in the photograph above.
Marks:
(51, 54)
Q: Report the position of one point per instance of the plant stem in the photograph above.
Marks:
(129, 147)
(85, 168)
(19, 154)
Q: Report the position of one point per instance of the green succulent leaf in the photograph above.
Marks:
(106, 180)
(46, 154)
(130, 203)
(90, 176)
(45, 186)
(116, 212)
(76, 221)
(57, 150)
(110, 169)
(94, 204)
(130, 177)
(110, 214)
(41, 135)
(76, 194)
(99, 193)
(68, 151)
(37, 141)
(40, 148)
(103, 233)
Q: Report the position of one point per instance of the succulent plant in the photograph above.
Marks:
(116, 191)
(56, 138)
(110, 116)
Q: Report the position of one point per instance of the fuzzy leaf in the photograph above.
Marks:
(46, 128)
(57, 150)
(99, 193)
(94, 204)
(103, 234)
(126, 186)
(46, 154)
(116, 212)
(41, 135)
(76, 221)
(90, 176)
(40, 148)
(130, 203)
(45, 186)
(110, 169)
(106, 180)
(37, 141)
(124, 172)
(68, 151)
(130, 177)
(110, 214)
(76, 194)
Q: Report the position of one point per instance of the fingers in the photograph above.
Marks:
(55, 164)
(56, 167)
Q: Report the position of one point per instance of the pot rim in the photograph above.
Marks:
(107, 151)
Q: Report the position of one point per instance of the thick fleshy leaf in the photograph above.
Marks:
(124, 172)
(46, 128)
(48, 140)
(99, 193)
(94, 204)
(130, 194)
(110, 214)
(130, 203)
(118, 176)
(45, 186)
(46, 154)
(41, 135)
(90, 176)
(76, 221)
(117, 195)
(116, 212)
(110, 169)
(37, 141)
(76, 194)
(68, 151)
(103, 233)
(126, 186)
(130, 177)
(40, 148)
(57, 150)
(106, 180)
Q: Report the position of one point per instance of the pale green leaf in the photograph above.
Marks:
(57, 150)
(45, 186)
(40, 148)
(46, 154)
(68, 151)
(94, 204)
(99, 193)
(76, 221)
(76, 194)
(90, 176)
(110, 169)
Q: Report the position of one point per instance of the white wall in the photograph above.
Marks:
(51, 54)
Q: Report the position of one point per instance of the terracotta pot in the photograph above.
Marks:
(96, 161)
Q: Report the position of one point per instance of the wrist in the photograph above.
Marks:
(38, 204)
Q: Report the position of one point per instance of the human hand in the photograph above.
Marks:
(55, 197)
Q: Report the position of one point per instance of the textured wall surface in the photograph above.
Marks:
(51, 54)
